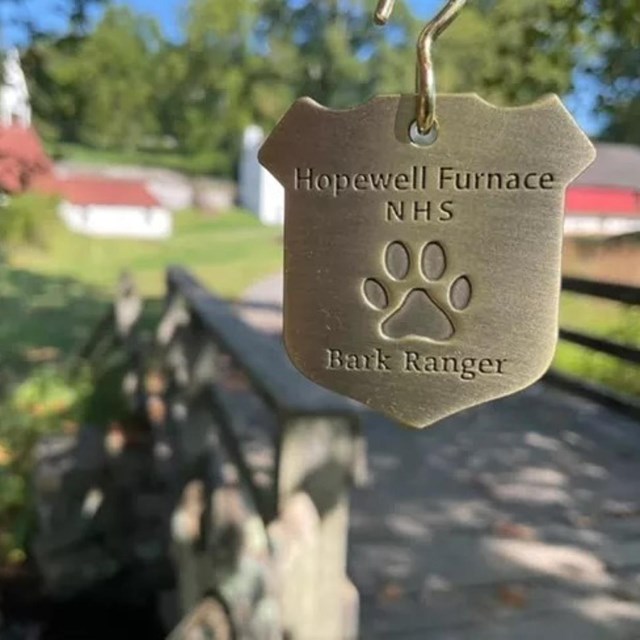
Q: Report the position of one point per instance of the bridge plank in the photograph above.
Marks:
(262, 358)
(499, 524)
(624, 403)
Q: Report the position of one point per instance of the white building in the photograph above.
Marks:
(259, 191)
(15, 105)
(113, 209)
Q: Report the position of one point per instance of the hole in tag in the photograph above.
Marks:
(423, 140)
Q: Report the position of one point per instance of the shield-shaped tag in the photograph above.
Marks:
(422, 280)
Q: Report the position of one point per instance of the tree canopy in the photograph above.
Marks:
(121, 83)
(617, 32)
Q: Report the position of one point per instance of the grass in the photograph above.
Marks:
(169, 159)
(609, 260)
(228, 253)
(617, 322)
(52, 298)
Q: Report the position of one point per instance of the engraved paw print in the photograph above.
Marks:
(416, 298)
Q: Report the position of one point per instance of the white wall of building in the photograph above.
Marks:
(259, 191)
(600, 225)
(117, 221)
(15, 104)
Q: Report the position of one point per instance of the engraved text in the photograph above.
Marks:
(466, 369)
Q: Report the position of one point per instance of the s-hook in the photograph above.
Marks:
(426, 80)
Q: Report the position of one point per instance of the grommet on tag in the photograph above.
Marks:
(420, 139)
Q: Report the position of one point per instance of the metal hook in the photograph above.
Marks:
(426, 107)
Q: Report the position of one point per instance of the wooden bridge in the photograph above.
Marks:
(272, 508)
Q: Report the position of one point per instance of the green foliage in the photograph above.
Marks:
(215, 80)
(617, 67)
(56, 87)
(117, 67)
(26, 220)
(97, 88)
(46, 403)
(124, 87)
(328, 50)
(511, 52)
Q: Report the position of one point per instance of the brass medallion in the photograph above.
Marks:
(422, 280)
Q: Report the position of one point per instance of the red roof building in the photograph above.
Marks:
(605, 200)
(108, 208)
(98, 191)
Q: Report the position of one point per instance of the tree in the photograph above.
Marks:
(97, 88)
(57, 91)
(216, 69)
(116, 65)
(511, 52)
(332, 51)
(616, 30)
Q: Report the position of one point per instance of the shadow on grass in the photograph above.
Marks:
(43, 318)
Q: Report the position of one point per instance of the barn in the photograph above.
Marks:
(96, 206)
(108, 208)
(605, 200)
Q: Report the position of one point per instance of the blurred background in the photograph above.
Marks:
(128, 138)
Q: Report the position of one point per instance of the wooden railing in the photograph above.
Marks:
(225, 380)
(626, 295)
(259, 460)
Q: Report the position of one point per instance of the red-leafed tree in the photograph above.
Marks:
(22, 159)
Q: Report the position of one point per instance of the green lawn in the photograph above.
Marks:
(53, 297)
(186, 163)
(228, 252)
(610, 320)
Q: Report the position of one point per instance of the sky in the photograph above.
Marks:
(166, 11)
(168, 14)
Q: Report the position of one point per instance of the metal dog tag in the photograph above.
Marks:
(422, 280)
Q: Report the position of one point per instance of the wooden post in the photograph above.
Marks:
(306, 514)
(316, 460)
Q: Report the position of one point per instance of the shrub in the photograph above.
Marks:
(26, 219)
(45, 403)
